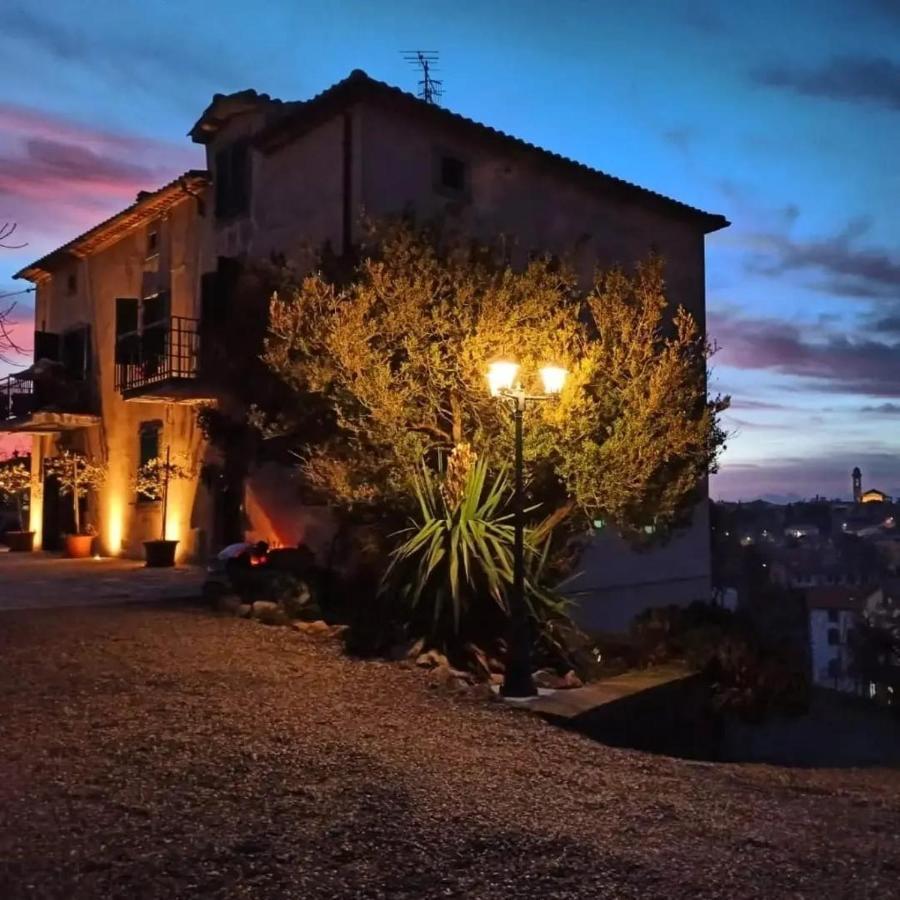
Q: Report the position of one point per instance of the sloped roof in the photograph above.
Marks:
(148, 205)
(849, 598)
(296, 118)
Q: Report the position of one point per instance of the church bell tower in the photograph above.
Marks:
(857, 485)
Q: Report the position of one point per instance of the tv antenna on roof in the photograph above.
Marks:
(430, 89)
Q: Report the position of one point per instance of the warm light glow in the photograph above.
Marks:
(554, 377)
(115, 523)
(501, 376)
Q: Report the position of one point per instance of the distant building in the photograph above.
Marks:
(873, 495)
(833, 614)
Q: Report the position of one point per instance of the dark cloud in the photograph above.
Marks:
(889, 323)
(868, 367)
(82, 174)
(741, 403)
(884, 409)
(846, 270)
(855, 79)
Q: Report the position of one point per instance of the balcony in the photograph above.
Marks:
(44, 400)
(161, 363)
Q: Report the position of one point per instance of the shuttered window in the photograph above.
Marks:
(232, 178)
(127, 339)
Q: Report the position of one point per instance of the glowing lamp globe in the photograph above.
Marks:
(554, 377)
(501, 376)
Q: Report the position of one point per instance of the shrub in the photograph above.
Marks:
(454, 569)
(293, 595)
(749, 676)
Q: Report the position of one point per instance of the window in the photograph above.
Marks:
(148, 449)
(452, 174)
(76, 352)
(127, 337)
(232, 178)
(834, 637)
(832, 615)
(71, 283)
(152, 242)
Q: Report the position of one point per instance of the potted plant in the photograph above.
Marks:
(152, 482)
(15, 486)
(77, 476)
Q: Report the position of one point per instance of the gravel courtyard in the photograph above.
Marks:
(154, 751)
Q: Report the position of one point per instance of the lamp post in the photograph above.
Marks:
(517, 681)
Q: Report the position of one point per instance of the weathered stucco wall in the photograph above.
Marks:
(125, 270)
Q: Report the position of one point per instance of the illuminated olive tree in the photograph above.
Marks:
(15, 485)
(154, 477)
(399, 353)
(77, 476)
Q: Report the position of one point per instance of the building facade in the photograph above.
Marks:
(286, 179)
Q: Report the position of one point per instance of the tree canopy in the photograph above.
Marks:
(398, 352)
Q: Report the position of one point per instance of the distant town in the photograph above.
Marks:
(838, 560)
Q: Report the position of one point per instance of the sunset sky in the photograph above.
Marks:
(784, 117)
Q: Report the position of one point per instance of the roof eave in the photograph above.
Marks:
(43, 267)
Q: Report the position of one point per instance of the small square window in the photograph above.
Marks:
(152, 243)
(453, 174)
(832, 615)
(71, 283)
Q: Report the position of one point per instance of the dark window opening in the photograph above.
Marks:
(154, 330)
(76, 352)
(832, 615)
(152, 243)
(232, 178)
(71, 283)
(148, 449)
(834, 637)
(453, 174)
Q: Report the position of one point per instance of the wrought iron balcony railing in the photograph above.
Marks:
(160, 354)
(17, 396)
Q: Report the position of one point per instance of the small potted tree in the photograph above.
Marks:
(77, 476)
(15, 487)
(153, 480)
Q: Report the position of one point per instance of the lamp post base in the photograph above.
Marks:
(518, 683)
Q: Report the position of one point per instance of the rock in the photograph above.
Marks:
(448, 679)
(411, 648)
(318, 628)
(547, 678)
(496, 678)
(268, 613)
(432, 659)
(244, 611)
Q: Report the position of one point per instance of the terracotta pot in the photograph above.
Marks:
(19, 541)
(78, 546)
(160, 554)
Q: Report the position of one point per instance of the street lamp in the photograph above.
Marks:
(503, 383)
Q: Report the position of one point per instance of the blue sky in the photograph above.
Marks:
(785, 117)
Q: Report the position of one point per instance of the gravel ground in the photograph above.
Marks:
(162, 752)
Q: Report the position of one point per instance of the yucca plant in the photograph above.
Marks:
(457, 557)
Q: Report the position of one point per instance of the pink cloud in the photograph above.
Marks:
(58, 177)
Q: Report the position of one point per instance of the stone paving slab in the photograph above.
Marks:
(572, 702)
(46, 581)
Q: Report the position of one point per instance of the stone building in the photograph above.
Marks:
(285, 178)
